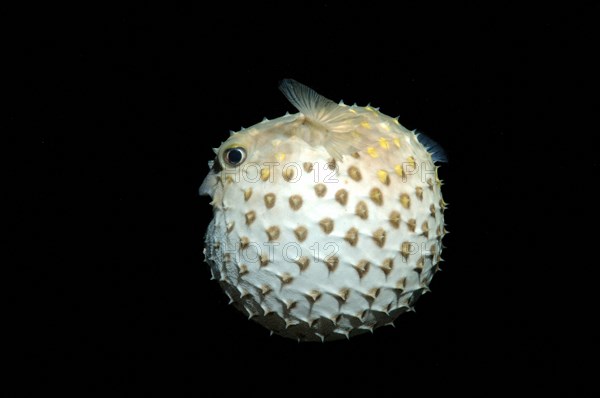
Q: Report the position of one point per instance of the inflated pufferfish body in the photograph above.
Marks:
(327, 223)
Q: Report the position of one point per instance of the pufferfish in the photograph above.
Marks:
(327, 223)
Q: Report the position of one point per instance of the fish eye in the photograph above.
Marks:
(234, 156)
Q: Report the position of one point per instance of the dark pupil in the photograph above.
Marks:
(234, 156)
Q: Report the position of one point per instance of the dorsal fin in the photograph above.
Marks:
(306, 100)
(335, 122)
(332, 116)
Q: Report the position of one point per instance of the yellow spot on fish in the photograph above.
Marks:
(280, 156)
(379, 237)
(230, 227)
(387, 266)
(270, 200)
(425, 229)
(332, 263)
(384, 143)
(383, 177)
(301, 233)
(398, 170)
(412, 224)
(250, 217)
(430, 183)
(264, 173)
(401, 284)
(352, 236)
(295, 202)
(376, 196)
(341, 197)
(288, 174)
(314, 295)
(265, 289)
(320, 190)
(395, 219)
(406, 249)
(372, 152)
(366, 125)
(264, 259)
(405, 200)
(343, 294)
(272, 233)
(385, 126)
(362, 268)
(397, 122)
(326, 225)
(412, 162)
(286, 278)
(247, 194)
(354, 173)
(419, 193)
(361, 210)
(352, 110)
(397, 142)
(302, 262)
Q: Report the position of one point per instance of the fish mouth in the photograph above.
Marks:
(212, 180)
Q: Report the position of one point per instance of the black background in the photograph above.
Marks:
(129, 102)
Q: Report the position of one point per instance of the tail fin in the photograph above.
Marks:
(437, 152)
